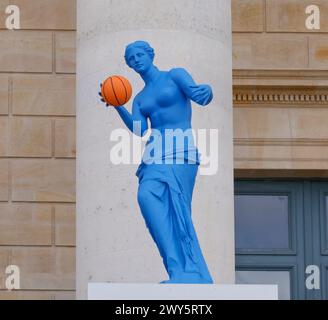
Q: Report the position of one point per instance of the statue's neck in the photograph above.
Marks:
(150, 75)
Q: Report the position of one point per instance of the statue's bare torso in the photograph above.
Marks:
(165, 104)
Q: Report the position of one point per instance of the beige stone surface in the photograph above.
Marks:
(65, 52)
(285, 150)
(269, 51)
(3, 15)
(4, 94)
(309, 123)
(256, 123)
(281, 138)
(307, 79)
(3, 135)
(65, 232)
(45, 268)
(30, 137)
(43, 180)
(281, 173)
(65, 141)
(64, 295)
(247, 15)
(4, 177)
(44, 95)
(37, 209)
(25, 224)
(318, 51)
(65, 263)
(25, 51)
(280, 123)
(36, 295)
(284, 164)
(290, 16)
(47, 14)
(4, 262)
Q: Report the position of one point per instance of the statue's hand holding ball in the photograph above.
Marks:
(115, 91)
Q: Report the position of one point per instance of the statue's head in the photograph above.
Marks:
(139, 56)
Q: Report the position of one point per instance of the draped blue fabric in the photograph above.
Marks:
(165, 199)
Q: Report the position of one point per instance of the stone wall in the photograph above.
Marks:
(37, 149)
(280, 89)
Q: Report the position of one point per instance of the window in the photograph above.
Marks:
(280, 228)
(261, 222)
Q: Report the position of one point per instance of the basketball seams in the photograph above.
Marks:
(104, 91)
(126, 92)
(111, 80)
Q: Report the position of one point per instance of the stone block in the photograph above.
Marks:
(65, 225)
(43, 180)
(25, 51)
(44, 95)
(247, 15)
(65, 52)
(65, 138)
(30, 137)
(25, 224)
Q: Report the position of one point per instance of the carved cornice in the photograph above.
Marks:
(291, 97)
(295, 88)
(279, 142)
(280, 74)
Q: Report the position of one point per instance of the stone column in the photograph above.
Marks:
(113, 243)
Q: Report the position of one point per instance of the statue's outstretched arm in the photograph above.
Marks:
(135, 122)
(201, 94)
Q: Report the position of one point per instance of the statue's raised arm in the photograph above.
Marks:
(201, 94)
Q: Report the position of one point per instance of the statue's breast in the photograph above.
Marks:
(164, 94)
(147, 104)
(167, 95)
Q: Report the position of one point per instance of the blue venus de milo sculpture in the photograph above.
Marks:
(168, 168)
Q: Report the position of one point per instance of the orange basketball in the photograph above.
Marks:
(116, 90)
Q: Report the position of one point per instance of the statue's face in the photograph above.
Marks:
(139, 60)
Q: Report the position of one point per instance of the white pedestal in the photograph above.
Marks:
(151, 291)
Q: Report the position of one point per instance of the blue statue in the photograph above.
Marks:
(166, 186)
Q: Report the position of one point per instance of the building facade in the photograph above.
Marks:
(280, 136)
(280, 112)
